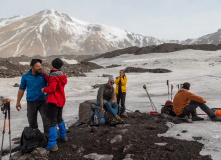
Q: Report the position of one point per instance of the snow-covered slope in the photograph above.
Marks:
(200, 68)
(213, 38)
(51, 33)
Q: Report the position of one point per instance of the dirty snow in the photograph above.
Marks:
(200, 68)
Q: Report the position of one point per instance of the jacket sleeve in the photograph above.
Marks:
(124, 81)
(23, 83)
(46, 77)
(51, 85)
(117, 80)
(195, 98)
(100, 93)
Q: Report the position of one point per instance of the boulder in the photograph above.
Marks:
(85, 111)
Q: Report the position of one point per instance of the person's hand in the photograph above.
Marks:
(43, 70)
(42, 90)
(18, 106)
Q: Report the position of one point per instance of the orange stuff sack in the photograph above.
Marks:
(218, 113)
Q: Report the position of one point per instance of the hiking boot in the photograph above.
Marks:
(196, 118)
(63, 140)
(215, 118)
(116, 120)
(53, 149)
(124, 115)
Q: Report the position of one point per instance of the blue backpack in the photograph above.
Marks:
(98, 118)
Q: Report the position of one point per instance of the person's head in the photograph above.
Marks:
(122, 73)
(57, 63)
(36, 66)
(186, 85)
(111, 81)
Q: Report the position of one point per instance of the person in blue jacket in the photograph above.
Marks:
(34, 81)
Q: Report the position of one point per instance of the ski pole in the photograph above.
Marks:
(171, 92)
(151, 102)
(168, 89)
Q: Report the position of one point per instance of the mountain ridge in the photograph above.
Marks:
(50, 32)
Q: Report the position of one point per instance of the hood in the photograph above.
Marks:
(63, 79)
(55, 73)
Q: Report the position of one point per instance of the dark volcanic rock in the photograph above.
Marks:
(9, 67)
(162, 48)
(143, 70)
(113, 65)
(138, 141)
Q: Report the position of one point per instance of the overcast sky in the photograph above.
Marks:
(163, 19)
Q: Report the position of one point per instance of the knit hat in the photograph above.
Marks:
(111, 79)
(33, 61)
(57, 63)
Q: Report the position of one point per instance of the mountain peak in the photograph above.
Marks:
(50, 32)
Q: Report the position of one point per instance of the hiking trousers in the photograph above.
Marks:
(121, 101)
(191, 108)
(32, 112)
(54, 114)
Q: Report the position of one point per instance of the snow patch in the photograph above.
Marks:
(24, 63)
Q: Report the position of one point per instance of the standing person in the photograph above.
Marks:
(34, 80)
(55, 102)
(105, 98)
(120, 91)
(185, 103)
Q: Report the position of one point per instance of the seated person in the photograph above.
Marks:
(105, 97)
(185, 103)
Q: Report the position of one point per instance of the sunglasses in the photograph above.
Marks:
(112, 82)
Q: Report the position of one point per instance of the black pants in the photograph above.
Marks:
(54, 114)
(32, 112)
(191, 109)
(121, 102)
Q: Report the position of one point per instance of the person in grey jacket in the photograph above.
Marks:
(105, 98)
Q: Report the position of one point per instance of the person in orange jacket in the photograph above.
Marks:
(185, 103)
(121, 90)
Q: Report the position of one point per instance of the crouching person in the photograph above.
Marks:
(105, 98)
(185, 103)
(55, 102)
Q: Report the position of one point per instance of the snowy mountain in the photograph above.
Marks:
(52, 33)
(214, 38)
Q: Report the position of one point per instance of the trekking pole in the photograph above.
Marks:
(151, 102)
(171, 92)
(168, 89)
(6, 110)
(9, 126)
(3, 132)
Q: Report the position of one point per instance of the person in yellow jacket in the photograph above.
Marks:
(121, 90)
(185, 103)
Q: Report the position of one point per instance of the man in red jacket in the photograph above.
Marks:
(55, 102)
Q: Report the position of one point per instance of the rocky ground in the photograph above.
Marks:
(162, 48)
(136, 139)
(10, 67)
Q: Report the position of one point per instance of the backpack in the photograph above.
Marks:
(168, 108)
(31, 139)
(98, 117)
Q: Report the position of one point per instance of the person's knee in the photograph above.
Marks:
(107, 104)
(114, 105)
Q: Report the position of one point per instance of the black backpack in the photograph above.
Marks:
(31, 139)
